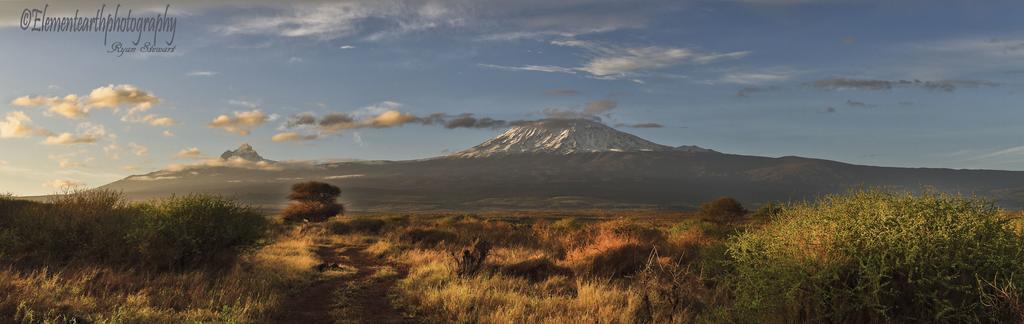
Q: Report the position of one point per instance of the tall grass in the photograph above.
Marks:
(540, 272)
(251, 290)
(91, 256)
(101, 227)
(873, 256)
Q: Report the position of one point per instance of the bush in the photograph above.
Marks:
(192, 230)
(873, 256)
(100, 227)
(82, 225)
(313, 201)
(722, 210)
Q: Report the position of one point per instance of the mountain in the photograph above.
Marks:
(561, 136)
(244, 152)
(561, 164)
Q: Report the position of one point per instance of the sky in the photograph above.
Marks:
(888, 83)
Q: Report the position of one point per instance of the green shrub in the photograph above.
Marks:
(874, 256)
(722, 210)
(84, 225)
(194, 229)
(101, 227)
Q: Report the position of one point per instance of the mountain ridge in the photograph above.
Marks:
(564, 165)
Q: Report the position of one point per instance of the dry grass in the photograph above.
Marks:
(248, 292)
(574, 270)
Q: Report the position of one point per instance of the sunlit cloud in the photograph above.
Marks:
(73, 106)
(87, 133)
(17, 124)
(192, 152)
(242, 122)
(138, 149)
(293, 137)
(63, 184)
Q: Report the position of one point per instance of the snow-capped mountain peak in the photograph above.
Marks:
(561, 136)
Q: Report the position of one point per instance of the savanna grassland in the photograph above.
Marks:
(866, 256)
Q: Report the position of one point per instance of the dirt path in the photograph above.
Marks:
(354, 291)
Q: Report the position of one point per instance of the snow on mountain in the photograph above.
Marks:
(563, 136)
(244, 152)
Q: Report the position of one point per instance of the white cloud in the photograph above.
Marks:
(111, 96)
(619, 61)
(68, 106)
(113, 151)
(607, 61)
(159, 121)
(536, 68)
(294, 59)
(241, 123)
(17, 124)
(72, 159)
(115, 96)
(487, 19)
(992, 47)
(1013, 151)
(202, 73)
(346, 47)
(168, 133)
(190, 153)
(236, 162)
(358, 138)
(87, 133)
(138, 150)
(243, 103)
(754, 78)
(344, 176)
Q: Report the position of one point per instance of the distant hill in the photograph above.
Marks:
(562, 164)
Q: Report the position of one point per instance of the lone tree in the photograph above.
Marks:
(313, 201)
(722, 210)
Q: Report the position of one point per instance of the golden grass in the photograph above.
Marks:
(527, 276)
(494, 298)
(248, 292)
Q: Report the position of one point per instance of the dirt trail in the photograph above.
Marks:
(346, 297)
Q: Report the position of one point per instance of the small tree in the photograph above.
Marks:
(314, 191)
(722, 210)
(313, 201)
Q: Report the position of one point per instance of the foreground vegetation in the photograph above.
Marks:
(862, 257)
(868, 256)
(92, 257)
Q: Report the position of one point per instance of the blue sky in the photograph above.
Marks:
(891, 83)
